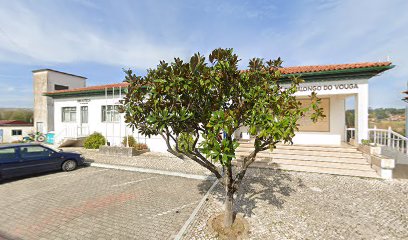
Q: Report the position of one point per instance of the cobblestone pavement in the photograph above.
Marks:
(293, 205)
(151, 160)
(94, 203)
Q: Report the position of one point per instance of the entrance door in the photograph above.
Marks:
(83, 131)
(1, 135)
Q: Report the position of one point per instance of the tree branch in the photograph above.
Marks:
(248, 160)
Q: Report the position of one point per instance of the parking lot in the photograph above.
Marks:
(97, 203)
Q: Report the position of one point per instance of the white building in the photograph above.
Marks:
(12, 130)
(81, 111)
(46, 80)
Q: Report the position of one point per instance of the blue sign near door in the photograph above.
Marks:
(1, 135)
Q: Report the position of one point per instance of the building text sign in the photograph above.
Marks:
(328, 87)
(83, 101)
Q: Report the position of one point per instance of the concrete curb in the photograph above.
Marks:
(194, 214)
(155, 171)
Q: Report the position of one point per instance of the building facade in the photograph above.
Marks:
(81, 111)
(13, 131)
(46, 80)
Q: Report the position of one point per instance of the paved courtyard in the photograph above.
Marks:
(96, 203)
(149, 160)
(294, 205)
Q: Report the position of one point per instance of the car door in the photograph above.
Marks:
(38, 159)
(10, 164)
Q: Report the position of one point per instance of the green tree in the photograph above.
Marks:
(381, 113)
(350, 118)
(191, 103)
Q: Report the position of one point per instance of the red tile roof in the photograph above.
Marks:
(284, 70)
(14, 123)
(333, 67)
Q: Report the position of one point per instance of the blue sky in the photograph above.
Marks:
(96, 39)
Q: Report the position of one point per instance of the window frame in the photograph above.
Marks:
(14, 159)
(72, 112)
(83, 115)
(38, 157)
(20, 131)
(110, 116)
(58, 87)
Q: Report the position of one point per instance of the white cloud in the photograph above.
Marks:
(53, 36)
(126, 35)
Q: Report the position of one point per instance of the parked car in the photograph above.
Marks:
(24, 159)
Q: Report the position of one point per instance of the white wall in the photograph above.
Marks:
(337, 91)
(7, 136)
(337, 126)
(114, 132)
(44, 81)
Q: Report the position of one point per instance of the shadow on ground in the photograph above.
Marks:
(266, 185)
(13, 179)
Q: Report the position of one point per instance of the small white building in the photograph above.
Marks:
(81, 111)
(12, 130)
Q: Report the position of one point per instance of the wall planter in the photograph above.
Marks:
(121, 151)
(384, 166)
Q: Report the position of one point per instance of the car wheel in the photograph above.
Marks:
(69, 165)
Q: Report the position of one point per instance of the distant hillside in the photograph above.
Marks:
(21, 114)
(382, 118)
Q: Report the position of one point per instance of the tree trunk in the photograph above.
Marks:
(228, 211)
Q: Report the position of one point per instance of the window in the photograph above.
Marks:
(7, 154)
(34, 152)
(110, 113)
(16, 132)
(69, 114)
(84, 114)
(60, 87)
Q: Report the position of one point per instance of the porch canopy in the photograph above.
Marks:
(333, 84)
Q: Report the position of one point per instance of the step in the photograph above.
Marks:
(338, 165)
(357, 160)
(305, 153)
(309, 148)
(370, 173)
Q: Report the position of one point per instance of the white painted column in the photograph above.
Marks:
(361, 112)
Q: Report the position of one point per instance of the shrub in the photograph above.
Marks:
(94, 141)
(365, 142)
(132, 141)
(134, 144)
(140, 146)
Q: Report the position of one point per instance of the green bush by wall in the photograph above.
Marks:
(94, 141)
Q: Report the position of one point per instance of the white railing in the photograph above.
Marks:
(72, 132)
(387, 137)
(384, 137)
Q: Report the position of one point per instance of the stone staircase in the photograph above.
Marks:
(338, 160)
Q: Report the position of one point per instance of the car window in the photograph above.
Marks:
(34, 152)
(7, 154)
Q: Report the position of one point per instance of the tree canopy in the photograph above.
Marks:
(191, 103)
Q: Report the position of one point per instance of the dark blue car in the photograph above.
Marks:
(25, 159)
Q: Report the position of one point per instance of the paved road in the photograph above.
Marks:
(94, 203)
